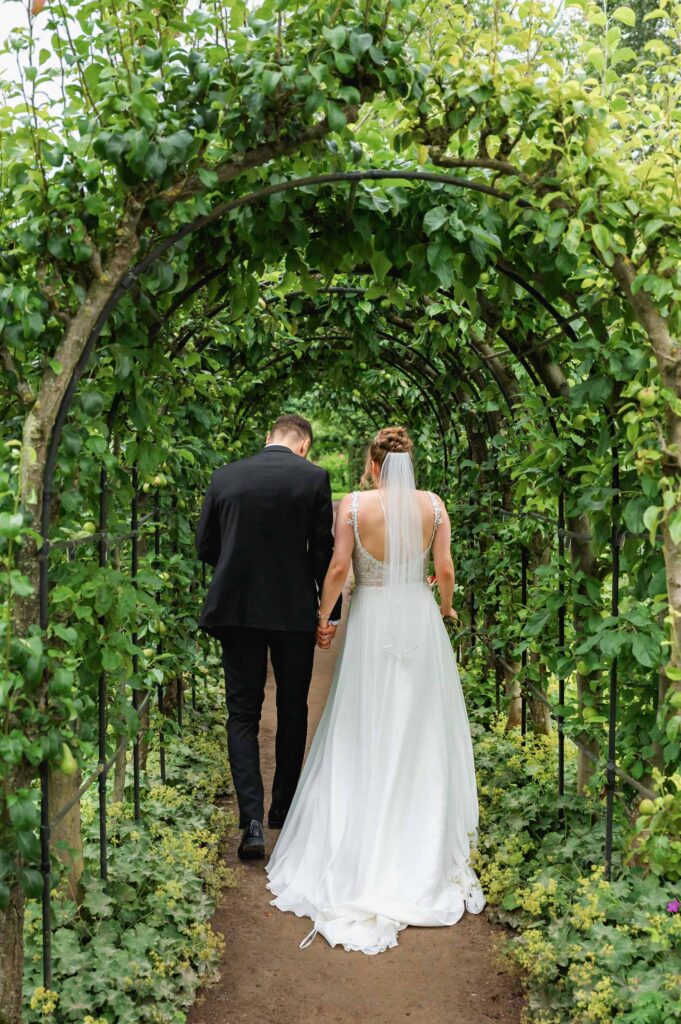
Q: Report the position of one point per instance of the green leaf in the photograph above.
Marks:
(674, 526)
(344, 63)
(645, 649)
(92, 402)
(98, 902)
(335, 37)
(20, 584)
(152, 56)
(335, 116)
(651, 519)
(11, 523)
(573, 234)
(360, 43)
(175, 148)
(441, 262)
(626, 15)
(53, 155)
(597, 57)
(435, 218)
(621, 56)
(270, 81)
(111, 660)
(31, 882)
(380, 264)
(208, 178)
(59, 246)
(603, 241)
(23, 811)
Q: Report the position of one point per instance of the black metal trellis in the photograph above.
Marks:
(159, 642)
(613, 771)
(101, 691)
(125, 285)
(561, 641)
(524, 559)
(134, 565)
(612, 695)
(102, 539)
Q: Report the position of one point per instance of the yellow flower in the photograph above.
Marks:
(44, 1000)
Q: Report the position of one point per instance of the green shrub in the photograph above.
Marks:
(138, 947)
(590, 951)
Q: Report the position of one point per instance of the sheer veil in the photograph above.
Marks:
(403, 556)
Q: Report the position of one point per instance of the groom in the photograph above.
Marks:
(266, 526)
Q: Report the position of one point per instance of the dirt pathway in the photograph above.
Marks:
(435, 975)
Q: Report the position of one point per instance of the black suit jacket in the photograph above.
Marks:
(266, 526)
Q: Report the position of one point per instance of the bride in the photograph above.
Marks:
(379, 832)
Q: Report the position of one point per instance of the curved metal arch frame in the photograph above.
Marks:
(399, 365)
(285, 369)
(447, 358)
(157, 251)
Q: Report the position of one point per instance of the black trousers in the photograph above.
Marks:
(244, 659)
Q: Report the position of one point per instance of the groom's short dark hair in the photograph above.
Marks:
(293, 424)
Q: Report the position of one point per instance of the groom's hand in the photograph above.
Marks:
(325, 635)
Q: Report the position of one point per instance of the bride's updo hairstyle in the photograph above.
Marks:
(389, 439)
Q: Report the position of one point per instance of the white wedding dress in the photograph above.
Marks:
(379, 832)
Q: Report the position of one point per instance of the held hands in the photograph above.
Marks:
(325, 633)
(448, 613)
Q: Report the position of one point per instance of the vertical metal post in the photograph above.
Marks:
(101, 695)
(203, 583)
(561, 641)
(612, 703)
(45, 871)
(497, 667)
(45, 868)
(159, 645)
(134, 564)
(524, 558)
(179, 688)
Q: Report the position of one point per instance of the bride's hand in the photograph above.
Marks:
(448, 613)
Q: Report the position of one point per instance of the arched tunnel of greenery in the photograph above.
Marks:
(287, 230)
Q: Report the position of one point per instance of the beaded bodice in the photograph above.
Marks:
(368, 571)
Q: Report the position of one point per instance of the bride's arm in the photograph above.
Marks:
(339, 567)
(442, 561)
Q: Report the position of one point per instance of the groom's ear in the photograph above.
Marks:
(307, 444)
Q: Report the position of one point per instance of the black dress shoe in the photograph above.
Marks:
(275, 819)
(252, 843)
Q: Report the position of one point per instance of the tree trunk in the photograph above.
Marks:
(144, 737)
(540, 713)
(512, 685)
(65, 835)
(12, 958)
(667, 351)
(12, 929)
(120, 766)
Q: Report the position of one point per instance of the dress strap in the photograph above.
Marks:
(354, 509)
(436, 509)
